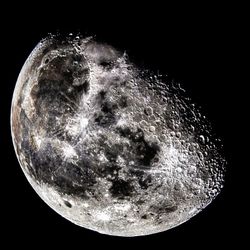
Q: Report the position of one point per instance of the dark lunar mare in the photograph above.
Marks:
(56, 96)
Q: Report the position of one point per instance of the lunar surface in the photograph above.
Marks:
(108, 146)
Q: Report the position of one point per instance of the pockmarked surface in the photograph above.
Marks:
(108, 146)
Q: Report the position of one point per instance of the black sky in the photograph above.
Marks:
(197, 49)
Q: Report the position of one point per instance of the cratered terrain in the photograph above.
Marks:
(109, 146)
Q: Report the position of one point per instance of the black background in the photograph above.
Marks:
(197, 48)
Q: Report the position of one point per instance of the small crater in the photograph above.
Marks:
(68, 204)
(148, 111)
(156, 159)
(202, 139)
(144, 216)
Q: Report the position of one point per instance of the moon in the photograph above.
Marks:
(109, 146)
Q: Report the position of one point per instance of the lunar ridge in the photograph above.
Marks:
(108, 146)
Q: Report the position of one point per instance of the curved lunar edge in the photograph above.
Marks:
(108, 146)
